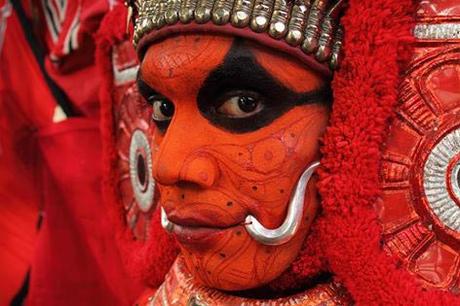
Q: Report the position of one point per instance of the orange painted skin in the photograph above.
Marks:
(210, 178)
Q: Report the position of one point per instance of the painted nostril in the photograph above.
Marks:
(202, 170)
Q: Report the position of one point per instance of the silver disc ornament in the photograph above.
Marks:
(140, 170)
(136, 186)
(420, 207)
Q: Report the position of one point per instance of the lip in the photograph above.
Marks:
(208, 218)
(194, 234)
(199, 237)
(197, 221)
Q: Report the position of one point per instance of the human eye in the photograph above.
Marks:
(239, 96)
(162, 108)
(240, 104)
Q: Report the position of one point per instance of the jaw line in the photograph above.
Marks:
(285, 231)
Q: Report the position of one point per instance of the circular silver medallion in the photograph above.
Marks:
(140, 170)
(441, 180)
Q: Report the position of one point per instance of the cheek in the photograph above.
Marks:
(295, 135)
(281, 158)
(258, 173)
(305, 138)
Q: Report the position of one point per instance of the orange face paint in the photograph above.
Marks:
(211, 177)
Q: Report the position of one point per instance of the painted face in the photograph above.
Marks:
(237, 127)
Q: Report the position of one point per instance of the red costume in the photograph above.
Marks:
(211, 142)
(51, 159)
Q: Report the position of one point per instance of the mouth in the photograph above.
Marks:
(191, 233)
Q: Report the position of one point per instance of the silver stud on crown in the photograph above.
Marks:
(311, 25)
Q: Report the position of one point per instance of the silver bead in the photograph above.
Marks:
(278, 23)
(336, 49)
(222, 11)
(187, 9)
(143, 24)
(325, 40)
(203, 11)
(328, 27)
(261, 15)
(297, 23)
(310, 43)
(242, 13)
(159, 14)
(172, 11)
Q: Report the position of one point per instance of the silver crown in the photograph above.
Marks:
(311, 25)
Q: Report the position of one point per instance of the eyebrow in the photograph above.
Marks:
(241, 71)
(240, 68)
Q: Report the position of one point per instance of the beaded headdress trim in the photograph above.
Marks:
(311, 25)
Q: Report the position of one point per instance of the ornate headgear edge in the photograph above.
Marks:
(309, 25)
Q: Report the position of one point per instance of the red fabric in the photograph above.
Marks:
(71, 70)
(17, 59)
(365, 97)
(55, 167)
(149, 261)
(18, 201)
(19, 119)
(76, 262)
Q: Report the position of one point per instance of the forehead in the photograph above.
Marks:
(183, 54)
(183, 62)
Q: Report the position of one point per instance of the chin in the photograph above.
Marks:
(233, 261)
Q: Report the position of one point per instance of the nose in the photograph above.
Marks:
(174, 163)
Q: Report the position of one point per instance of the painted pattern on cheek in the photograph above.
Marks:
(236, 262)
(257, 178)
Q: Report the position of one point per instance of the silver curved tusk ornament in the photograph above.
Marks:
(165, 223)
(291, 223)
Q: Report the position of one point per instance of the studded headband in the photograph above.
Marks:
(312, 26)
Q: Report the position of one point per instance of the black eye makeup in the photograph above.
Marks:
(162, 108)
(240, 96)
